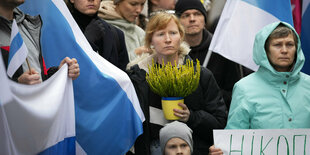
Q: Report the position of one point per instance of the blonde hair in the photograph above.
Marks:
(158, 22)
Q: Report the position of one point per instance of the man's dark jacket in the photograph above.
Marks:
(104, 38)
(226, 72)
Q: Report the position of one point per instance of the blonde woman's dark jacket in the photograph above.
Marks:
(206, 105)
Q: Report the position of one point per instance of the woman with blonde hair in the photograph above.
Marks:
(203, 110)
(123, 14)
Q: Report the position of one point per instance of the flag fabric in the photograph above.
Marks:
(296, 11)
(305, 34)
(239, 23)
(108, 113)
(37, 119)
(18, 50)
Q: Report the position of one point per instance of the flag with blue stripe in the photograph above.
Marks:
(108, 114)
(18, 50)
(37, 119)
(305, 34)
(239, 23)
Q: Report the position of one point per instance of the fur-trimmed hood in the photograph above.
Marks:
(107, 11)
(145, 59)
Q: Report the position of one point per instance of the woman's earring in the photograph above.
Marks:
(152, 46)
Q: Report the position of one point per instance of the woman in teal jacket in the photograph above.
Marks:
(272, 98)
(277, 96)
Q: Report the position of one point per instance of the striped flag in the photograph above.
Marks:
(108, 113)
(37, 119)
(18, 51)
(239, 23)
(305, 34)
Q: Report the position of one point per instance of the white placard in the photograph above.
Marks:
(263, 142)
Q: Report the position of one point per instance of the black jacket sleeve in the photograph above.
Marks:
(108, 41)
(137, 76)
(207, 112)
(212, 114)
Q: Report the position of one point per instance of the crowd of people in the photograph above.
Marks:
(276, 96)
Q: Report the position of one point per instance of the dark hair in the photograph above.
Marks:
(149, 7)
(280, 31)
(142, 21)
(69, 5)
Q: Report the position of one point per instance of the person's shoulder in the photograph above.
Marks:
(136, 73)
(116, 29)
(133, 68)
(143, 61)
(205, 71)
(106, 24)
(305, 77)
(35, 21)
(207, 34)
(111, 27)
(249, 82)
(139, 30)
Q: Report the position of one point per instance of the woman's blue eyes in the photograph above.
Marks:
(172, 33)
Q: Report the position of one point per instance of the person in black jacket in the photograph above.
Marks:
(193, 17)
(107, 40)
(203, 110)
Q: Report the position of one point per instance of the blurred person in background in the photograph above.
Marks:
(159, 5)
(105, 39)
(193, 17)
(123, 14)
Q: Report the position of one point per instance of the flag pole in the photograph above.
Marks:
(28, 66)
(205, 63)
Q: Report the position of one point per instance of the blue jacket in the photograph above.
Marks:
(268, 99)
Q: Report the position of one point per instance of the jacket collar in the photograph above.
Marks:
(107, 11)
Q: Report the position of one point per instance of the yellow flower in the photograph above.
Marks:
(173, 81)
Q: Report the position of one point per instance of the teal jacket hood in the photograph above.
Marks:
(268, 99)
(260, 56)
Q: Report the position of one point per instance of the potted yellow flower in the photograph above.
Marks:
(173, 83)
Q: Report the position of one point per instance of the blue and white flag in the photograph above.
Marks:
(108, 113)
(305, 34)
(18, 51)
(37, 119)
(239, 23)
